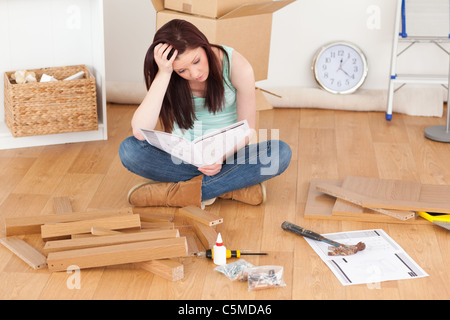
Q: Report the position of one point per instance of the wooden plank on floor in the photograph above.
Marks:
(166, 268)
(97, 231)
(89, 242)
(154, 216)
(49, 231)
(206, 235)
(199, 215)
(391, 189)
(321, 206)
(379, 205)
(24, 251)
(117, 254)
(157, 225)
(318, 204)
(32, 224)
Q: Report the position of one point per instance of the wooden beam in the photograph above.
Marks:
(157, 225)
(117, 254)
(24, 251)
(90, 242)
(97, 231)
(155, 216)
(199, 215)
(49, 231)
(206, 235)
(32, 224)
(167, 268)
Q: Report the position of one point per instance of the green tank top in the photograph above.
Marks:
(207, 121)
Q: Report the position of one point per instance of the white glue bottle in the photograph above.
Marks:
(219, 252)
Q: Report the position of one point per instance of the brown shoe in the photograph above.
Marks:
(254, 195)
(171, 194)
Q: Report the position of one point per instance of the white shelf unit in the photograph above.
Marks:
(50, 33)
(397, 81)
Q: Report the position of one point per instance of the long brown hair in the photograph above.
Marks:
(177, 105)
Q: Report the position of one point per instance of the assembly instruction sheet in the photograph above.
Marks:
(382, 260)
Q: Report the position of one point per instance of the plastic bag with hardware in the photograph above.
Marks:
(264, 277)
(235, 271)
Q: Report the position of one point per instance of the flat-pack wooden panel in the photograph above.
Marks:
(399, 196)
(388, 189)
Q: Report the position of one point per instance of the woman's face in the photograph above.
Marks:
(192, 65)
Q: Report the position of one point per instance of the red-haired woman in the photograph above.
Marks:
(194, 87)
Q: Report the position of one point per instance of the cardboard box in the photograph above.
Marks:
(207, 8)
(247, 29)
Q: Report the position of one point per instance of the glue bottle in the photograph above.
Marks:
(220, 252)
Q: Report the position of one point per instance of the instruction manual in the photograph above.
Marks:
(207, 149)
(382, 260)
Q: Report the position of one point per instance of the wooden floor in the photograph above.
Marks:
(326, 144)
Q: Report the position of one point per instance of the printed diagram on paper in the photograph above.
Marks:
(382, 260)
(207, 149)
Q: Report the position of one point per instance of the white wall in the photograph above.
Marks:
(129, 30)
(298, 30)
(301, 28)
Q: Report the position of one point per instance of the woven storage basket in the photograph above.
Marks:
(39, 108)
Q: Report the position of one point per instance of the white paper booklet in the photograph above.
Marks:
(382, 260)
(207, 149)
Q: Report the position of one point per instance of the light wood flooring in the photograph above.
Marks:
(326, 144)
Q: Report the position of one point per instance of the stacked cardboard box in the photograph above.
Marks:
(244, 25)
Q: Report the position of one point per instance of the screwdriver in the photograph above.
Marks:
(231, 254)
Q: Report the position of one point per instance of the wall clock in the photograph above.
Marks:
(340, 67)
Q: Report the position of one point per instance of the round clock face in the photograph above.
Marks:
(340, 67)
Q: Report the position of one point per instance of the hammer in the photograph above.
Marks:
(336, 249)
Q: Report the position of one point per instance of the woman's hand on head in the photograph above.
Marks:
(161, 52)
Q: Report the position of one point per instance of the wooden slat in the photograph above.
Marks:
(166, 268)
(24, 251)
(117, 254)
(155, 216)
(32, 224)
(68, 228)
(157, 225)
(199, 215)
(97, 231)
(89, 242)
(205, 234)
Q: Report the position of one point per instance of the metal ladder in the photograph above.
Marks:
(437, 133)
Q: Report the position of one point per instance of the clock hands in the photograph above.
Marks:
(340, 67)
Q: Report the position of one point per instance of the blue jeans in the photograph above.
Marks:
(249, 166)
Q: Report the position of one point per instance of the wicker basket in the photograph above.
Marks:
(39, 108)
